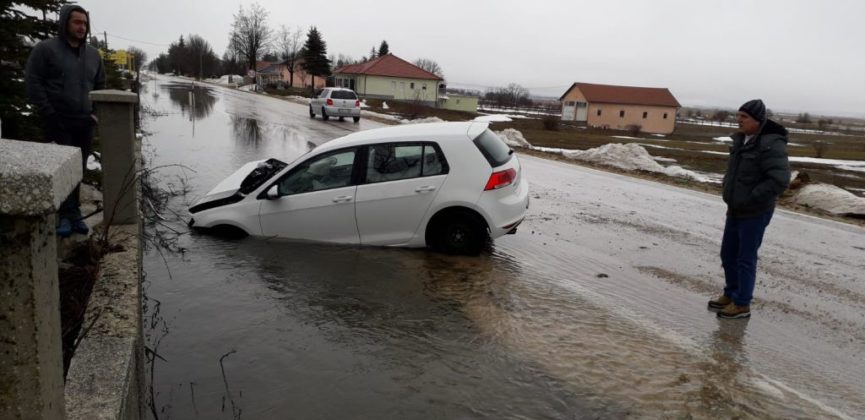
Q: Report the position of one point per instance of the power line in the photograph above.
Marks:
(141, 42)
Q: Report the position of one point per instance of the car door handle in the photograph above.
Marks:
(342, 199)
(424, 189)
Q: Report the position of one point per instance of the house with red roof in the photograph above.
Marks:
(390, 77)
(621, 107)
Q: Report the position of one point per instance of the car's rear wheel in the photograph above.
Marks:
(457, 233)
(324, 115)
(311, 112)
(356, 119)
(341, 118)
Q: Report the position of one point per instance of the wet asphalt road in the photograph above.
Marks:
(595, 308)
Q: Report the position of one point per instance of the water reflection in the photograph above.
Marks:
(197, 106)
(246, 131)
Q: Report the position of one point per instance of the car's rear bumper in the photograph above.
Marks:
(505, 209)
(335, 111)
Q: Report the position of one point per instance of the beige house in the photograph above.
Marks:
(620, 107)
(390, 77)
(459, 102)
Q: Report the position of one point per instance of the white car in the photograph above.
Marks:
(335, 102)
(448, 186)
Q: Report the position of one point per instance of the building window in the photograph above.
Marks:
(665, 115)
(423, 87)
(411, 86)
(645, 115)
(599, 112)
(622, 114)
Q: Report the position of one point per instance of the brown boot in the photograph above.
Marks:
(733, 311)
(719, 303)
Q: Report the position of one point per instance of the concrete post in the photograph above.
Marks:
(34, 179)
(114, 108)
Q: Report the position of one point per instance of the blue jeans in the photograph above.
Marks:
(742, 239)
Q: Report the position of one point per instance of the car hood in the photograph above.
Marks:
(236, 186)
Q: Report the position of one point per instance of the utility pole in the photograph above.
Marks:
(105, 37)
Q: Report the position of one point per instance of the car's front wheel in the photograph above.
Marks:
(324, 115)
(311, 112)
(457, 233)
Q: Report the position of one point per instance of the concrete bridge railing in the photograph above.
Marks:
(105, 377)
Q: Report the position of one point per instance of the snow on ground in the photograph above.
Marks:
(384, 105)
(725, 139)
(93, 164)
(736, 125)
(363, 104)
(859, 164)
(830, 198)
(494, 118)
(514, 138)
(629, 157)
(626, 137)
(423, 120)
(227, 80)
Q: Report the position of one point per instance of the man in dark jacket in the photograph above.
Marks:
(757, 173)
(60, 74)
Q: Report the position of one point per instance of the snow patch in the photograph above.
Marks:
(630, 157)
(494, 118)
(830, 198)
(363, 104)
(384, 105)
(725, 139)
(423, 120)
(626, 137)
(514, 138)
(93, 164)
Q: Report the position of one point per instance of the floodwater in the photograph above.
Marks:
(594, 309)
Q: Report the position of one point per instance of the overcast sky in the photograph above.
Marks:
(801, 56)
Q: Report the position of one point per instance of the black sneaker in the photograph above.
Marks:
(720, 303)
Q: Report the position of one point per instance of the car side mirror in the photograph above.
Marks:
(272, 192)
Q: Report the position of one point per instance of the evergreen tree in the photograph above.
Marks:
(383, 49)
(315, 60)
(372, 53)
(22, 24)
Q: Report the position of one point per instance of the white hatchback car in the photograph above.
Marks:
(449, 186)
(335, 102)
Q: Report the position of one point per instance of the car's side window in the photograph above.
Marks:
(323, 94)
(390, 162)
(432, 164)
(320, 173)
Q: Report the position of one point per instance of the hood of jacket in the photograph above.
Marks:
(63, 21)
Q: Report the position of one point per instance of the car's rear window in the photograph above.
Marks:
(493, 148)
(343, 94)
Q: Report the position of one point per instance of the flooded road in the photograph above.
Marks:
(594, 309)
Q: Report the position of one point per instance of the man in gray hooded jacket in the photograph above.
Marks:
(757, 173)
(60, 74)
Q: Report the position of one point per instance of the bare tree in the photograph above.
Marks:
(289, 44)
(250, 36)
(203, 61)
(721, 115)
(430, 66)
(139, 57)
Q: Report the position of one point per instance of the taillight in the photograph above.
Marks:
(329, 102)
(501, 179)
(357, 104)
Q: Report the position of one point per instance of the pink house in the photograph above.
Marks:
(621, 107)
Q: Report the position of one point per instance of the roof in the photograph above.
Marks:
(628, 95)
(271, 69)
(389, 66)
(261, 64)
(443, 131)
